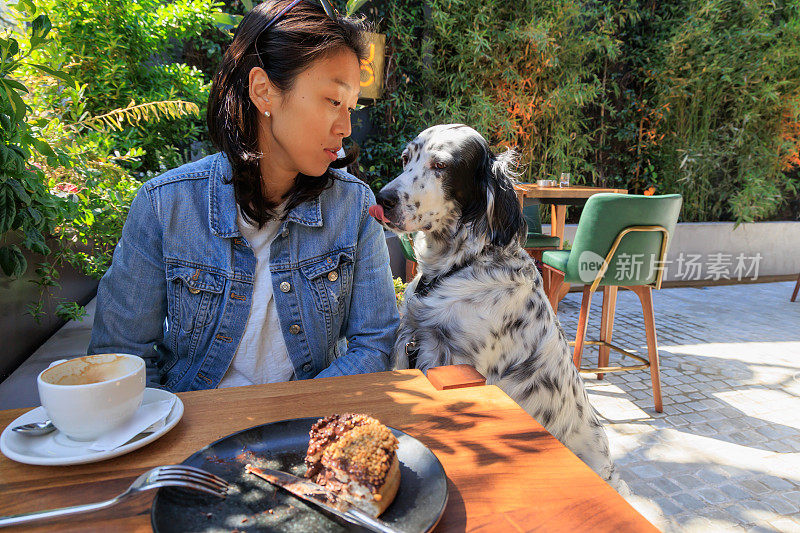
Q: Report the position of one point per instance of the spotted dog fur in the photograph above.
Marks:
(492, 313)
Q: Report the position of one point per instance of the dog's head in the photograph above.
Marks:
(450, 180)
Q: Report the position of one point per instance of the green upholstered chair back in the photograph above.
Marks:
(535, 238)
(408, 248)
(636, 260)
(531, 214)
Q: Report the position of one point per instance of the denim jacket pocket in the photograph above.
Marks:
(330, 277)
(193, 293)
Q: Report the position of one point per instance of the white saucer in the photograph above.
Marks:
(55, 449)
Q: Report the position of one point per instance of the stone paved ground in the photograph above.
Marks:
(725, 453)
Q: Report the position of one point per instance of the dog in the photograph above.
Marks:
(478, 296)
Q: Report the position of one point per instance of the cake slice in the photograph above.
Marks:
(355, 456)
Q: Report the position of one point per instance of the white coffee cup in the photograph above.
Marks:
(87, 396)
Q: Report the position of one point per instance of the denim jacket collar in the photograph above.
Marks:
(222, 204)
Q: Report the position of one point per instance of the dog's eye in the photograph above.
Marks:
(404, 159)
(439, 165)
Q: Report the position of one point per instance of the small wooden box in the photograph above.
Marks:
(455, 377)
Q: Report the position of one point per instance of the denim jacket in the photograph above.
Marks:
(179, 289)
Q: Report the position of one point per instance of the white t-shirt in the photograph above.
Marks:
(261, 356)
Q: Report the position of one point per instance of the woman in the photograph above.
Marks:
(260, 263)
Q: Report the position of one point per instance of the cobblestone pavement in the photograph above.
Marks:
(725, 453)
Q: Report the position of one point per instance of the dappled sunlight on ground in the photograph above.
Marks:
(725, 453)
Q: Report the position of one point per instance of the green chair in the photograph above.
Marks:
(536, 241)
(408, 247)
(407, 244)
(621, 241)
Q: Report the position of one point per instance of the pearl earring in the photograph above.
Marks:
(267, 114)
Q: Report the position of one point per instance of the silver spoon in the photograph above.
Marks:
(35, 428)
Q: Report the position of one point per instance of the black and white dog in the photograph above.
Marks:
(478, 298)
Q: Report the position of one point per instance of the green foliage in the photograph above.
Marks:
(353, 6)
(28, 212)
(399, 291)
(142, 113)
(697, 97)
(125, 54)
(77, 110)
(399, 116)
(109, 45)
(730, 75)
(516, 72)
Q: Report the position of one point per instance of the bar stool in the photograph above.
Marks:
(621, 241)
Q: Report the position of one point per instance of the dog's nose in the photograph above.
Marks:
(387, 199)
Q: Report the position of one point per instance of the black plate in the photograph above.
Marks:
(419, 503)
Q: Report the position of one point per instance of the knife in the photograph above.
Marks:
(318, 495)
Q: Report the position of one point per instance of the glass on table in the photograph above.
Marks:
(564, 182)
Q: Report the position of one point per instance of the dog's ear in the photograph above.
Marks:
(503, 212)
(490, 203)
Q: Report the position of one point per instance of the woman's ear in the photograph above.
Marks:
(503, 211)
(262, 91)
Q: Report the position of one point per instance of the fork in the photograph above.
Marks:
(161, 476)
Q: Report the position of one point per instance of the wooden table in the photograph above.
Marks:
(559, 198)
(505, 472)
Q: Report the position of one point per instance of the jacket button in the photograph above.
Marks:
(285, 233)
(193, 290)
(333, 275)
(294, 329)
(286, 286)
(307, 367)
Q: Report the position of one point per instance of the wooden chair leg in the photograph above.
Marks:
(645, 294)
(558, 217)
(547, 280)
(607, 324)
(796, 288)
(553, 281)
(583, 321)
(560, 295)
(411, 270)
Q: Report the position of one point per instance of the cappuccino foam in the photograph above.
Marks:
(82, 372)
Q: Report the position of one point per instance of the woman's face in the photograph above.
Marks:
(309, 122)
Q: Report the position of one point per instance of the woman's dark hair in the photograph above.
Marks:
(301, 36)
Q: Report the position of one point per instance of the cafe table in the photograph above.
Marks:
(559, 198)
(504, 471)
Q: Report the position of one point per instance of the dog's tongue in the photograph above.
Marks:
(376, 211)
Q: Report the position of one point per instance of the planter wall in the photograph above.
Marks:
(396, 259)
(21, 333)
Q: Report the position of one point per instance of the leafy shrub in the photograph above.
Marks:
(399, 291)
(731, 82)
(28, 210)
(75, 153)
(699, 98)
(128, 53)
